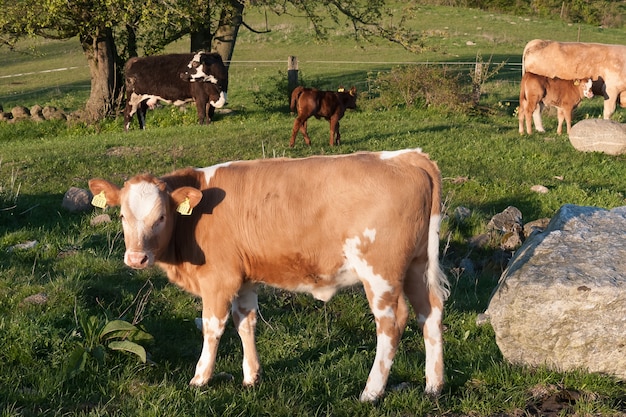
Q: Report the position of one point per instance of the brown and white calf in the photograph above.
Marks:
(175, 79)
(310, 225)
(537, 91)
(578, 60)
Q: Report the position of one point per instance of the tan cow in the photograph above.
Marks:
(310, 225)
(577, 60)
(537, 91)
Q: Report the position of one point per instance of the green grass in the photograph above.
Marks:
(315, 356)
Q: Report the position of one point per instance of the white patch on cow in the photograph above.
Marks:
(196, 58)
(378, 284)
(392, 154)
(200, 75)
(210, 171)
(142, 198)
(151, 99)
(379, 372)
(219, 103)
(587, 92)
(245, 303)
(370, 234)
(211, 328)
(434, 350)
(179, 103)
(344, 277)
(354, 269)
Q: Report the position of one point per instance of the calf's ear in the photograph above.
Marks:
(185, 199)
(104, 192)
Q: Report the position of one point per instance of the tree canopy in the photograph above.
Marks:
(111, 31)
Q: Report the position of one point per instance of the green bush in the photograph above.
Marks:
(421, 86)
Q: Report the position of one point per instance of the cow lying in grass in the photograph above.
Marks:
(331, 105)
(537, 91)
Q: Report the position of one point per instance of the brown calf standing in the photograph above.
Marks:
(331, 105)
(538, 91)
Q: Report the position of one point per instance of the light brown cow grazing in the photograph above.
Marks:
(537, 91)
(577, 60)
(311, 225)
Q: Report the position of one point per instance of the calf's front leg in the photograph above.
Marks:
(334, 131)
(213, 321)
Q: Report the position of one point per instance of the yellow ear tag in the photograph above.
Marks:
(184, 208)
(99, 200)
(341, 90)
(576, 82)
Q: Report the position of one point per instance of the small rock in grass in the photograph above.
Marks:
(539, 189)
(35, 299)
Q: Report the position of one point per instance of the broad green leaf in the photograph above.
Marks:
(98, 353)
(129, 347)
(76, 362)
(142, 337)
(116, 327)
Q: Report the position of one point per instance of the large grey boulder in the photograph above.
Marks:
(599, 135)
(561, 302)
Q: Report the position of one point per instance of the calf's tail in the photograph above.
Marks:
(295, 94)
(435, 277)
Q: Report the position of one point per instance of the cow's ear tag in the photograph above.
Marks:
(99, 200)
(184, 208)
(341, 90)
(576, 82)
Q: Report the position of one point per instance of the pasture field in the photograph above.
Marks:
(315, 356)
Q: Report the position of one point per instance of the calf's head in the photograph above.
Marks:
(208, 67)
(147, 210)
(586, 84)
(348, 97)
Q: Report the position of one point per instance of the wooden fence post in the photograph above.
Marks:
(292, 74)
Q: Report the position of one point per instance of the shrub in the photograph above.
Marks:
(421, 86)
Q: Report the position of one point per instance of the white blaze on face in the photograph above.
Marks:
(199, 74)
(196, 58)
(142, 198)
(587, 89)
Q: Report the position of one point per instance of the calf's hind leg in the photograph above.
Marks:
(428, 308)
(299, 125)
(243, 310)
(335, 137)
(390, 314)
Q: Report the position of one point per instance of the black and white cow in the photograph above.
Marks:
(175, 79)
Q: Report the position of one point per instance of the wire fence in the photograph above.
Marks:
(509, 68)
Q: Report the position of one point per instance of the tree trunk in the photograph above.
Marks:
(226, 33)
(106, 80)
(201, 40)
